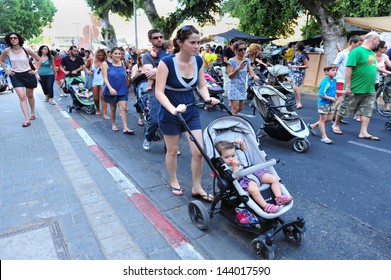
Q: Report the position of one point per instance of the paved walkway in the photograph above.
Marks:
(61, 197)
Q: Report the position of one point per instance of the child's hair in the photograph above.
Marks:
(330, 66)
(222, 146)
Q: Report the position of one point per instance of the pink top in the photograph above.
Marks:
(19, 61)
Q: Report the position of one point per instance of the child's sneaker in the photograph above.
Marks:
(283, 199)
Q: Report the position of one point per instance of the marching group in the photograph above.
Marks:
(173, 72)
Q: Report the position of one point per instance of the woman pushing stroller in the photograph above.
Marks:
(227, 152)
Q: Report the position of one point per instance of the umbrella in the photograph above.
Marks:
(239, 35)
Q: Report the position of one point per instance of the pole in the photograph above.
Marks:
(135, 23)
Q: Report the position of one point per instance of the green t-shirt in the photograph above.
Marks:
(364, 70)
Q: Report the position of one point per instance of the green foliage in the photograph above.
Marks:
(27, 17)
(123, 8)
(312, 29)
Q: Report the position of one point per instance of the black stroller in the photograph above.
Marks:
(70, 87)
(231, 197)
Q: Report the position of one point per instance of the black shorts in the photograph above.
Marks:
(23, 79)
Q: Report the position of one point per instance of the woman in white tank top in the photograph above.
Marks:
(22, 76)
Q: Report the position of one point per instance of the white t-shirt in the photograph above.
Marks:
(340, 60)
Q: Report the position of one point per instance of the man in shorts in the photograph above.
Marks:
(340, 61)
(360, 77)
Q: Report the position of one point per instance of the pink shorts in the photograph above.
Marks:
(340, 87)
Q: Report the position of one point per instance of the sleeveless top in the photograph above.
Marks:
(46, 68)
(97, 79)
(19, 61)
(179, 90)
(117, 79)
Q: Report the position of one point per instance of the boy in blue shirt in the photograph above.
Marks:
(327, 93)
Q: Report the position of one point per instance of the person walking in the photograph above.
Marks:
(177, 77)
(72, 64)
(383, 61)
(340, 61)
(97, 83)
(46, 73)
(360, 77)
(22, 75)
(115, 90)
(238, 68)
(298, 66)
(88, 61)
(59, 78)
(228, 53)
(327, 98)
(150, 64)
(137, 77)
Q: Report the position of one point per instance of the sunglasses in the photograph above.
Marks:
(157, 37)
(100, 69)
(14, 38)
(242, 50)
(185, 29)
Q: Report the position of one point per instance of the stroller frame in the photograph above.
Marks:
(70, 87)
(230, 195)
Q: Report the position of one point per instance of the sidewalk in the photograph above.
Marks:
(62, 198)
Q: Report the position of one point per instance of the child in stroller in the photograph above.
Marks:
(83, 92)
(228, 151)
(80, 96)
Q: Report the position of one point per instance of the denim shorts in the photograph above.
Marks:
(114, 99)
(24, 79)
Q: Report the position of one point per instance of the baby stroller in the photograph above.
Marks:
(4, 84)
(275, 102)
(231, 196)
(70, 87)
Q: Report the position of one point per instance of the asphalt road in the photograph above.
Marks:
(341, 190)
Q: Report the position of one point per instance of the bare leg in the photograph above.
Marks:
(31, 100)
(104, 104)
(113, 111)
(20, 91)
(322, 124)
(255, 194)
(235, 106)
(172, 143)
(124, 115)
(364, 126)
(297, 96)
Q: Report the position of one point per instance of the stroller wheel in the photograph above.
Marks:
(199, 214)
(69, 109)
(300, 145)
(261, 250)
(89, 110)
(293, 235)
(388, 125)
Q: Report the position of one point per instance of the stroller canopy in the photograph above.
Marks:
(278, 70)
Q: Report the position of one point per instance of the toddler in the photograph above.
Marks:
(83, 92)
(227, 152)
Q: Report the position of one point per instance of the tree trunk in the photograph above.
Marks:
(166, 25)
(332, 27)
(108, 32)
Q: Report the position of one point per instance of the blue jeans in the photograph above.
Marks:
(47, 82)
(152, 125)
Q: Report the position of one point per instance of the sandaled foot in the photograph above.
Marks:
(114, 128)
(336, 130)
(98, 113)
(326, 141)
(26, 124)
(177, 191)
(271, 208)
(106, 117)
(128, 132)
(369, 137)
(206, 197)
(32, 117)
(283, 199)
(313, 132)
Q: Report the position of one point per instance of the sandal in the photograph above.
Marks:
(313, 132)
(205, 197)
(283, 199)
(32, 117)
(271, 208)
(326, 141)
(176, 191)
(25, 124)
(140, 122)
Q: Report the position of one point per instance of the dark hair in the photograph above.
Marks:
(355, 39)
(114, 49)
(300, 46)
(182, 34)
(379, 46)
(152, 31)
(8, 41)
(290, 44)
(237, 44)
(72, 47)
(219, 50)
(232, 41)
(224, 146)
(40, 51)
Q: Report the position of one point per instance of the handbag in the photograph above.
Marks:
(30, 62)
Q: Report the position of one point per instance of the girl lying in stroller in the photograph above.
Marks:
(227, 151)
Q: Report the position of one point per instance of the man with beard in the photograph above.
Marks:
(150, 61)
(360, 78)
(72, 64)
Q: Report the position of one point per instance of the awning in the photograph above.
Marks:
(381, 24)
(239, 35)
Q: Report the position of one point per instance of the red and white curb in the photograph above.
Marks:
(176, 240)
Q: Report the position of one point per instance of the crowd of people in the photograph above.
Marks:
(171, 71)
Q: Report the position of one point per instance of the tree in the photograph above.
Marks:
(27, 17)
(204, 11)
(276, 17)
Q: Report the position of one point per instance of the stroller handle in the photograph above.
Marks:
(254, 168)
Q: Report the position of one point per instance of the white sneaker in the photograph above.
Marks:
(147, 145)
